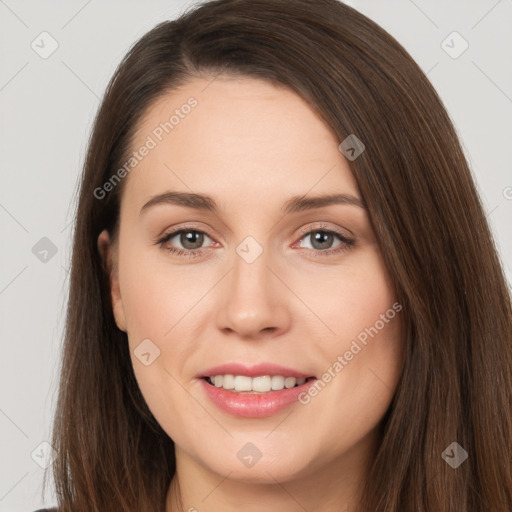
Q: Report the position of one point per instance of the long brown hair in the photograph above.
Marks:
(456, 384)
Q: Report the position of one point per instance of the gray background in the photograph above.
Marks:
(47, 107)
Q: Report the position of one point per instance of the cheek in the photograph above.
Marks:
(160, 301)
(364, 349)
(156, 294)
(348, 298)
(370, 344)
(367, 301)
(156, 300)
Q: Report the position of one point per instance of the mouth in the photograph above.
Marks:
(259, 396)
(260, 384)
(255, 391)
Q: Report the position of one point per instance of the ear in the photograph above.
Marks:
(109, 259)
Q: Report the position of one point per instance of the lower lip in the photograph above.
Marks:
(259, 405)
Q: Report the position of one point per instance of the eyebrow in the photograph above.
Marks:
(293, 205)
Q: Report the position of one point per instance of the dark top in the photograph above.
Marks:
(46, 510)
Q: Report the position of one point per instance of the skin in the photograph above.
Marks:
(251, 146)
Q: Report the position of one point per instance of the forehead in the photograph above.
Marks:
(235, 136)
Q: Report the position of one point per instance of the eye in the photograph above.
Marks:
(191, 241)
(322, 240)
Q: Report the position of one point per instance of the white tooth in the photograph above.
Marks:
(259, 384)
(243, 383)
(263, 383)
(290, 382)
(228, 382)
(277, 382)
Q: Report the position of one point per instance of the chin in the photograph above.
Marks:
(280, 466)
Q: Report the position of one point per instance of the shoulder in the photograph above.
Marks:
(46, 510)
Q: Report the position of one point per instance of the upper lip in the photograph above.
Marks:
(252, 371)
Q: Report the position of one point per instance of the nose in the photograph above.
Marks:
(254, 302)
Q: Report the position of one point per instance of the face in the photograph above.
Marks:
(251, 281)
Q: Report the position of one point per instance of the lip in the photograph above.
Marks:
(246, 405)
(252, 371)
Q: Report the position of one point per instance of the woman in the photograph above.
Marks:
(284, 292)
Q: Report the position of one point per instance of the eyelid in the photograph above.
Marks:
(347, 242)
(303, 231)
(322, 227)
(176, 229)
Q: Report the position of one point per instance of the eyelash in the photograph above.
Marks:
(346, 243)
